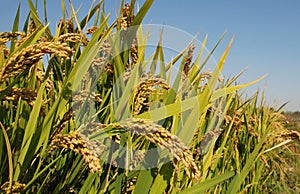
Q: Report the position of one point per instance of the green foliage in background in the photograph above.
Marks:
(216, 141)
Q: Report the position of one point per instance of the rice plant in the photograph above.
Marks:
(86, 110)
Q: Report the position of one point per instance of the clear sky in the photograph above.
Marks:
(267, 36)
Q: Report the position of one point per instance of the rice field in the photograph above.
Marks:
(85, 110)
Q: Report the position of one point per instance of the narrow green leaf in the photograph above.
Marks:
(119, 180)
(15, 28)
(9, 156)
(36, 19)
(228, 83)
(156, 54)
(91, 13)
(213, 50)
(196, 65)
(186, 133)
(75, 16)
(174, 109)
(228, 90)
(207, 159)
(162, 68)
(29, 131)
(142, 12)
(216, 73)
(202, 187)
(88, 183)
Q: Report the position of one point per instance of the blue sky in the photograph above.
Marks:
(266, 33)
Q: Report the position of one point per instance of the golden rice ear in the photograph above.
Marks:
(91, 30)
(66, 26)
(127, 16)
(65, 120)
(102, 60)
(24, 93)
(74, 38)
(144, 89)
(134, 52)
(79, 144)
(15, 188)
(188, 60)
(30, 55)
(40, 74)
(157, 134)
(79, 97)
(32, 27)
(7, 36)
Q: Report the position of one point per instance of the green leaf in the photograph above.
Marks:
(138, 20)
(213, 50)
(9, 156)
(228, 90)
(88, 182)
(36, 19)
(142, 12)
(15, 28)
(168, 110)
(144, 182)
(162, 179)
(156, 54)
(29, 131)
(204, 186)
(92, 11)
(216, 73)
(119, 180)
(122, 109)
(196, 65)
